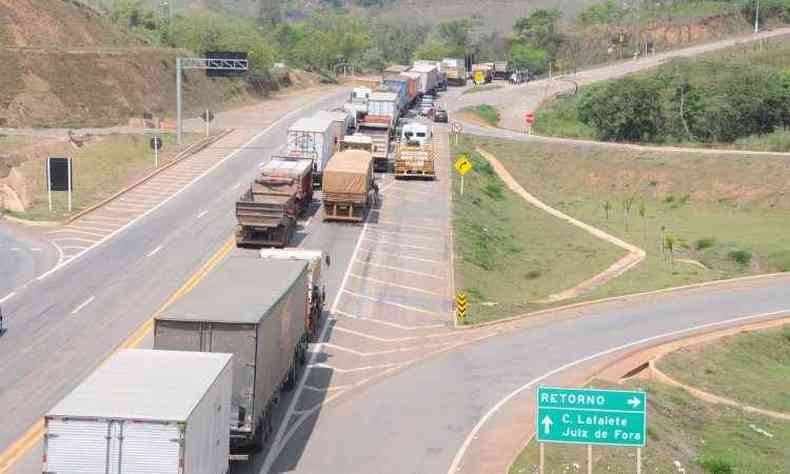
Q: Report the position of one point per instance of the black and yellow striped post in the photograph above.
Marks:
(461, 307)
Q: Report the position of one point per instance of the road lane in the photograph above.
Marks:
(23, 256)
(48, 350)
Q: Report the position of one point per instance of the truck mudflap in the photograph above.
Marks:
(381, 164)
(279, 236)
(345, 211)
(318, 180)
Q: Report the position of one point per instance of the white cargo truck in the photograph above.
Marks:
(144, 412)
(313, 138)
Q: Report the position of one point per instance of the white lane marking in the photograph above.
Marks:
(72, 247)
(7, 297)
(407, 225)
(90, 228)
(455, 466)
(385, 352)
(103, 220)
(388, 283)
(202, 214)
(328, 389)
(274, 452)
(154, 251)
(16, 249)
(237, 185)
(393, 325)
(410, 235)
(84, 304)
(35, 249)
(337, 328)
(78, 239)
(392, 303)
(390, 243)
(355, 369)
(75, 231)
(404, 257)
(296, 424)
(389, 267)
(178, 192)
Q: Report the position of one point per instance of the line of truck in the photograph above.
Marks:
(224, 353)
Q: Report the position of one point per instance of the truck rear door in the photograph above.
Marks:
(77, 446)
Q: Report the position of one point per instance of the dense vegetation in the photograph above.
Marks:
(713, 99)
(327, 35)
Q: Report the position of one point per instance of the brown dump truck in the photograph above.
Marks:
(349, 186)
(268, 210)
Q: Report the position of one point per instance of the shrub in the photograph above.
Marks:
(494, 191)
(740, 256)
(705, 243)
(716, 465)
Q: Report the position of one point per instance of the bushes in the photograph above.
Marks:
(709, 100)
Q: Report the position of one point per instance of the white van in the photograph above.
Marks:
(415, 132)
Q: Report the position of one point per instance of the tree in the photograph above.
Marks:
(628, 109)
(526, 57)
(628, 203)
(607, 13)
(433, 48)
(540, 28)
(455, 36)
(670, 243)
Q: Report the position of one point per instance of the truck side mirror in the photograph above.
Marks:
(327, 260)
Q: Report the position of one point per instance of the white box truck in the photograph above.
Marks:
(312, 138)
(429, 76)
(144, 412)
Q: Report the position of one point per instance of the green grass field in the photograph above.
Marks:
(100, 170)
(700, 437)
(751, 368)
(510, 254)
(728, 216)
(484, 112)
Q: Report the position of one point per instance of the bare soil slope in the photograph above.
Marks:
(66, 65)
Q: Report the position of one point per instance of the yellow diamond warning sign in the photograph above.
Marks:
(463, 165)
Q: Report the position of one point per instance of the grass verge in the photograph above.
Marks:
(751, 368)
(510, 254)
(101, 169)
(683, 432)
(726, 216)
(485, 112)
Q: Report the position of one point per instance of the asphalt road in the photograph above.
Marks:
(61, 327)
(23, 256)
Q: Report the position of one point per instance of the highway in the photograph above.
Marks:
(62, 326)
(24, 255)
(392, 386)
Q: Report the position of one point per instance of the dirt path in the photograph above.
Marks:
(634, 256)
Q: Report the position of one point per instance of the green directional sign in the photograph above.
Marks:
(585, 416)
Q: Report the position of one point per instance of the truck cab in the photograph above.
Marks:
(415, 133)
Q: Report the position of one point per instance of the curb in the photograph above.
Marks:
(607, 366)
(612, 299)
(29, 222)
(188, 152)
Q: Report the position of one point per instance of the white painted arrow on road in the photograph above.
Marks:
(634, 402)
(546, 424)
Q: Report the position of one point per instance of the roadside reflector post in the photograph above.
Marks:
(638, 460)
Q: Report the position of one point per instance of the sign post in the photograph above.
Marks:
(462, 165)
(59, 178)
(156, 145)
(530, 118)
(207, 117)
(461, 306)
(457, 129)
(591, 416)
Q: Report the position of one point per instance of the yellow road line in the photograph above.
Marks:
(33, 435)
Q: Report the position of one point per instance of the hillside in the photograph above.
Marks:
(66, 65)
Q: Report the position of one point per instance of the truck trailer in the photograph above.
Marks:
(255, 310)
(316, 288)
(429, 76)
(144, 412)
(266, 213)
(379, 124)
(456, 72)
(350, 188)
(312, 138)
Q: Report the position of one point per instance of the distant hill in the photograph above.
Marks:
(67, 65)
